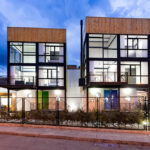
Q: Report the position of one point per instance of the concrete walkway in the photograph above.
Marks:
(79, 134)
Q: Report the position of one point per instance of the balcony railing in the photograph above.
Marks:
(107, 77)
(23, 80)
(111, 77)
(134, 79)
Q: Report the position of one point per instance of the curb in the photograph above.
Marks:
(77, 138)
(76, 128)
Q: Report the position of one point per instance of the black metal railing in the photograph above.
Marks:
(107, 77)
(22, 80)
(120, 112)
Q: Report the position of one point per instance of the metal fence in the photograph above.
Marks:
(126, 113)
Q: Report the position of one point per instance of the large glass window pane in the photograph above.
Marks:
(15, 52)
(123, 41)
(51, 52)
(95, 52)
(137, 72)
(51, 76)
(22, 75)
(110, 41)
(103, 71)
(123, 53)
(136, 45)
(103, 46)
(29, 53)
(110, 53)
(142, 44)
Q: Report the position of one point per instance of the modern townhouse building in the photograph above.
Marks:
(115, 61)
(36, 68)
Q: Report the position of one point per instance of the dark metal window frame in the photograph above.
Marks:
(103, 47)
(131, 75)
(22, 52)
(137, 49)
(54, 55)
(47, 70)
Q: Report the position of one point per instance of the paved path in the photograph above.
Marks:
(79, 135)
(11, 142)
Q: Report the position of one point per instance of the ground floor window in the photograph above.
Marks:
(104, 99)
(46, 99)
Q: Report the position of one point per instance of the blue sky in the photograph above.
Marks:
(63, 14)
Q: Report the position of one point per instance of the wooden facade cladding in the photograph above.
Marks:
(21, 34)
(117, 25)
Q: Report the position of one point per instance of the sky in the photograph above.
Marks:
(62, 14)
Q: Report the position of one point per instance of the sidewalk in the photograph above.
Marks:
(78, 134)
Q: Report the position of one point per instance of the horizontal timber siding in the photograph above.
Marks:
(20, 34)
(117, 25)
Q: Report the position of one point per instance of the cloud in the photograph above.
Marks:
(73, 31)
(21, 14)
(131, 8)
(49, 13)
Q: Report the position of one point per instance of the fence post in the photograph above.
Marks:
(23, 110)
(97, 100)
(148, 108)
(0, 104)
(57, 110)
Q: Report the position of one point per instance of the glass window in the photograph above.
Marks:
(103, 71)
(135, 45)
(22, 75)
(49, 52)
(22, 52)
(51, 76)
(102, 46)
(136, 72)
(15, 52)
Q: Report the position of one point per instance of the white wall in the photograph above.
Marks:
(29, 96)
(73, 89)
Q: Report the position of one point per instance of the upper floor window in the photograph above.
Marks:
(103, 71)
(22, 75)
(136, 72)
(51, 76)
(134, 45)
(50, 52)
(102, 46)
(22, 52)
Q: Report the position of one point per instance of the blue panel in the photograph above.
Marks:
(110, 99)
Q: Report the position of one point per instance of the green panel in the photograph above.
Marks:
(45, 99)
(40, 99)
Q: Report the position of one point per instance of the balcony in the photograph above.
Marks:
(22, 81)
(135, 79)
(28, 81)
(108, 77)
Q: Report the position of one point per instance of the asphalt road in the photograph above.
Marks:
(11, 142)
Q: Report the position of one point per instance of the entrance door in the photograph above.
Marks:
(43, 99)
(111, 99)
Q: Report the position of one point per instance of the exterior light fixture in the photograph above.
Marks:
(57, 93)
(13, 95)
(98, 95)
(29, 95)
(127, 98)
(144, 123)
